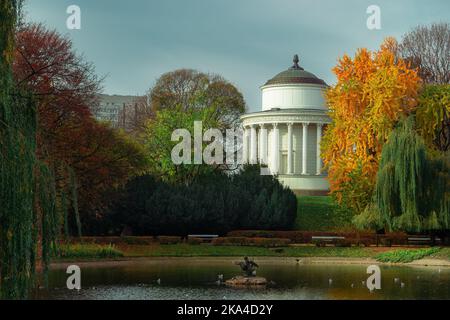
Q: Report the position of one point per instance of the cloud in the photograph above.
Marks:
(247, 42)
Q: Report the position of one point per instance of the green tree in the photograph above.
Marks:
(412, 188)
(433, 117)
(158, 143)
(193, 90)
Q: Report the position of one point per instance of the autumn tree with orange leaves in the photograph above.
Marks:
(373, 91)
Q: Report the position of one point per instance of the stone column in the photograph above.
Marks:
(275, 149)
(305, 148)
(253, 145)
(263, 144)
(245, 146)
(290, 151)
(318, 159)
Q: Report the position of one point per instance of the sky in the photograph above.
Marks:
(134, 42)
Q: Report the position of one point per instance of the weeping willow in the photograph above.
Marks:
(17, 220)
(27, 195)
(50, 217)
(17, 152)
(412, 189)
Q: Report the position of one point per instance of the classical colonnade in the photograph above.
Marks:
(254, 152)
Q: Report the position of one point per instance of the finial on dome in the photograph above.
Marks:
(296, 60)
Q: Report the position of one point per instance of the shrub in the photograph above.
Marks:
(194, 241)
(345, 242)
(270, 242)
(234, 241)
(257, 242)
(169, 240)
(365, 238)
(111, 240)
(404, 256)
(137, 240)
(393, 238)
(294, 236)
(214, 203)
(94, 240)
(86, 251)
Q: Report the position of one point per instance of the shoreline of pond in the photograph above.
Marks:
(130, 261)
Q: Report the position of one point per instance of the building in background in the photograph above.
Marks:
(286, 134)
(111, 106)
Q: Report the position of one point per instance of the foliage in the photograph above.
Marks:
(18, 219)
(358, 188)
(412, 190)
(433, 117)
(372, 92)
(89, 160)
(186, 90)
(84, 251)
(365, 238)
(215, 203)
(115, 240)
(17, 129)
(55, 157)
(109, 159)
(369, 219)
(28, 211)
(87, 251)
(405, 256)
(169, 240)
(178, 99)
(158, 143)
(194, 241)
(258, 242)
(427, 48)
(191, 90)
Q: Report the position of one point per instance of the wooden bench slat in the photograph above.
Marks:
(327, 238)
(203, 236)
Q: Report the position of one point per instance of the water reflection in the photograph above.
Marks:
(196, 279)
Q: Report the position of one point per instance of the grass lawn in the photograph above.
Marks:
(186, 250)
(88, 251)
(383, 254)
(320, 213)
(443, 253)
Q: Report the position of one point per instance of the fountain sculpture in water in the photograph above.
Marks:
(249, 279)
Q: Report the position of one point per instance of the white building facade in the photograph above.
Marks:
(286, 134)
(110, 107)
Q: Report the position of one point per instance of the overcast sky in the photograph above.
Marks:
(247, 41)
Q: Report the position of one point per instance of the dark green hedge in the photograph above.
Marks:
(214, 203)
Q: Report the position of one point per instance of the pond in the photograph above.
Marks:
(195, 278)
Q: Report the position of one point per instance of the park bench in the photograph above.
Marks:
(322, 241)
(203, 237)
(422, 240)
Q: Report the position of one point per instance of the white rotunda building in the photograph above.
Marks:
(286, 134)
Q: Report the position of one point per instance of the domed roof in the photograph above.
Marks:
(295, 75)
